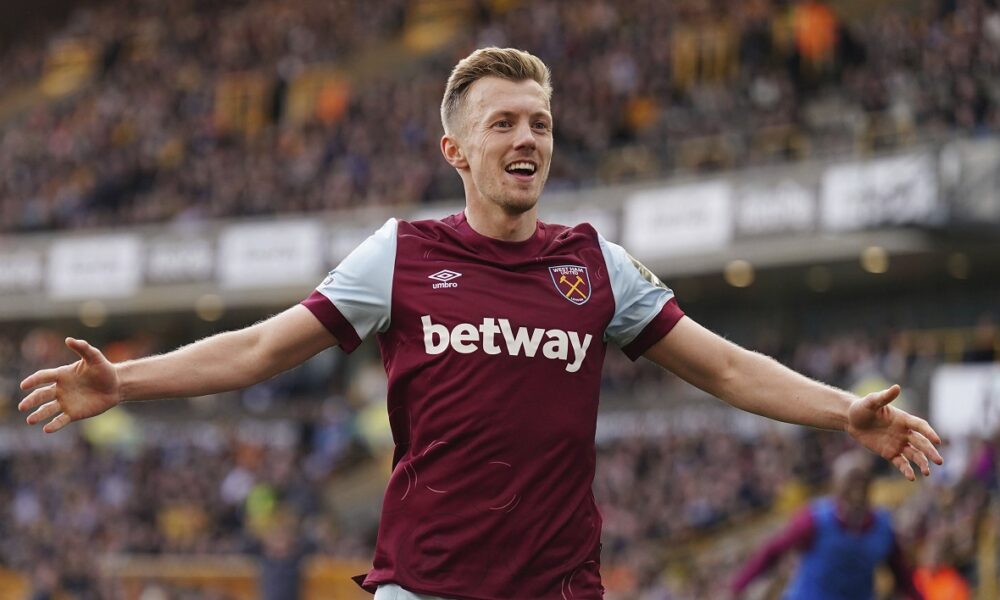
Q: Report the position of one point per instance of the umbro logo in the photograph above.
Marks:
(444, 279)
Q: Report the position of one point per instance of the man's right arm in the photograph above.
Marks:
(227, 361)
(353, 302)
(223, 362)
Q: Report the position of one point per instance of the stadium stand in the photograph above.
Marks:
(182, 113)
(205, 110)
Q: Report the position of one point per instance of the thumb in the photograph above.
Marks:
(88, 353)
(877, 400)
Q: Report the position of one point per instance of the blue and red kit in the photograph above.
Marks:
(837, 562)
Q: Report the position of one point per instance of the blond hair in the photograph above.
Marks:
(506, 63)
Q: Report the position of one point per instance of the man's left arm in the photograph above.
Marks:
(761, 385)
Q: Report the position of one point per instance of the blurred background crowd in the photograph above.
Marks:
(193, 109)
(127, 112)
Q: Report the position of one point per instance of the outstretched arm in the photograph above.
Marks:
(223, 362)
(759, 384)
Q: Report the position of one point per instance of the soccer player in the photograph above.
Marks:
(842, 540)
(492, 327)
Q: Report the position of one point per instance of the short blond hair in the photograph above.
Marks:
(506, 63)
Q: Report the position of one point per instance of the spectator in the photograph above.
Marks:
(937, 578)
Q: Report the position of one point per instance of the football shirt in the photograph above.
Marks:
(493, 352)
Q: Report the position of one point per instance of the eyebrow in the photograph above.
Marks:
(510, 113)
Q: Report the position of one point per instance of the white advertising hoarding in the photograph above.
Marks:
(787, 206)
(180, 260)
(965, 399)
(20, 270)
(678, 220)
(108, 266)
(901, 190)
(268, 254)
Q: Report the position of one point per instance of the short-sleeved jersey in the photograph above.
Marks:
(493, 352)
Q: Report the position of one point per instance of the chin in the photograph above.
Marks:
(517, 206)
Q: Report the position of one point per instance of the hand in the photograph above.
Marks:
(893, 434)
(83, 389)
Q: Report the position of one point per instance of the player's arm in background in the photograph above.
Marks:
(798, 535)
(223, 362)
(759, 384)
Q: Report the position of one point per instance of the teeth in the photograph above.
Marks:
(521, 165)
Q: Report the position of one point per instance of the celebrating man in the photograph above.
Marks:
(492, 327)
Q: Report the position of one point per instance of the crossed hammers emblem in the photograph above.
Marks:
(573, 287)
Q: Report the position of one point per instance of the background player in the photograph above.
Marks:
(842, 539)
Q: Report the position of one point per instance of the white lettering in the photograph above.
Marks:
(558, 345)
(461, 335)
(464, 338)
(430, 330)
(521, 339)
(489, 329)
(579, 350)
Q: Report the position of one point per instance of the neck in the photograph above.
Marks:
(853, 516)
(500, 225)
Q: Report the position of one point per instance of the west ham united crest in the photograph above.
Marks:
(572, 281)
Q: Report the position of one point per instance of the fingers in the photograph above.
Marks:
(88, 353)
(921, 443)
(39, 377)
(904, 467)
(924, 428)
(878, 400)
(915, 456)
(37, 398)
(57, 423)
(47, 411)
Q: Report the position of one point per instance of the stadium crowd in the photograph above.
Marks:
(194, 111)
(218, 485)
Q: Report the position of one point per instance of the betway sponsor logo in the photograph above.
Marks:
(497, 335)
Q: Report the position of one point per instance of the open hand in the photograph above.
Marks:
(893, 434)
(83, 389)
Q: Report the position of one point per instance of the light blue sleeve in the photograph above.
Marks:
(639, 294)
(360, 287)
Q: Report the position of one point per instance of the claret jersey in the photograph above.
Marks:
(493, 352)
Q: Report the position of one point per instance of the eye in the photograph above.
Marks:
(542, 125)
(502, 123)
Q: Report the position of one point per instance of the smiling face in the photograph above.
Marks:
(502, 145)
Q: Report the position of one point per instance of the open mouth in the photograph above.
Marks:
(522, 169)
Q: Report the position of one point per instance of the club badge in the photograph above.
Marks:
(572, 281)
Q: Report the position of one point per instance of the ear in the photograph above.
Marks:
(453, 152)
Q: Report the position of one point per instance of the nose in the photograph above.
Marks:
(523, 137)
